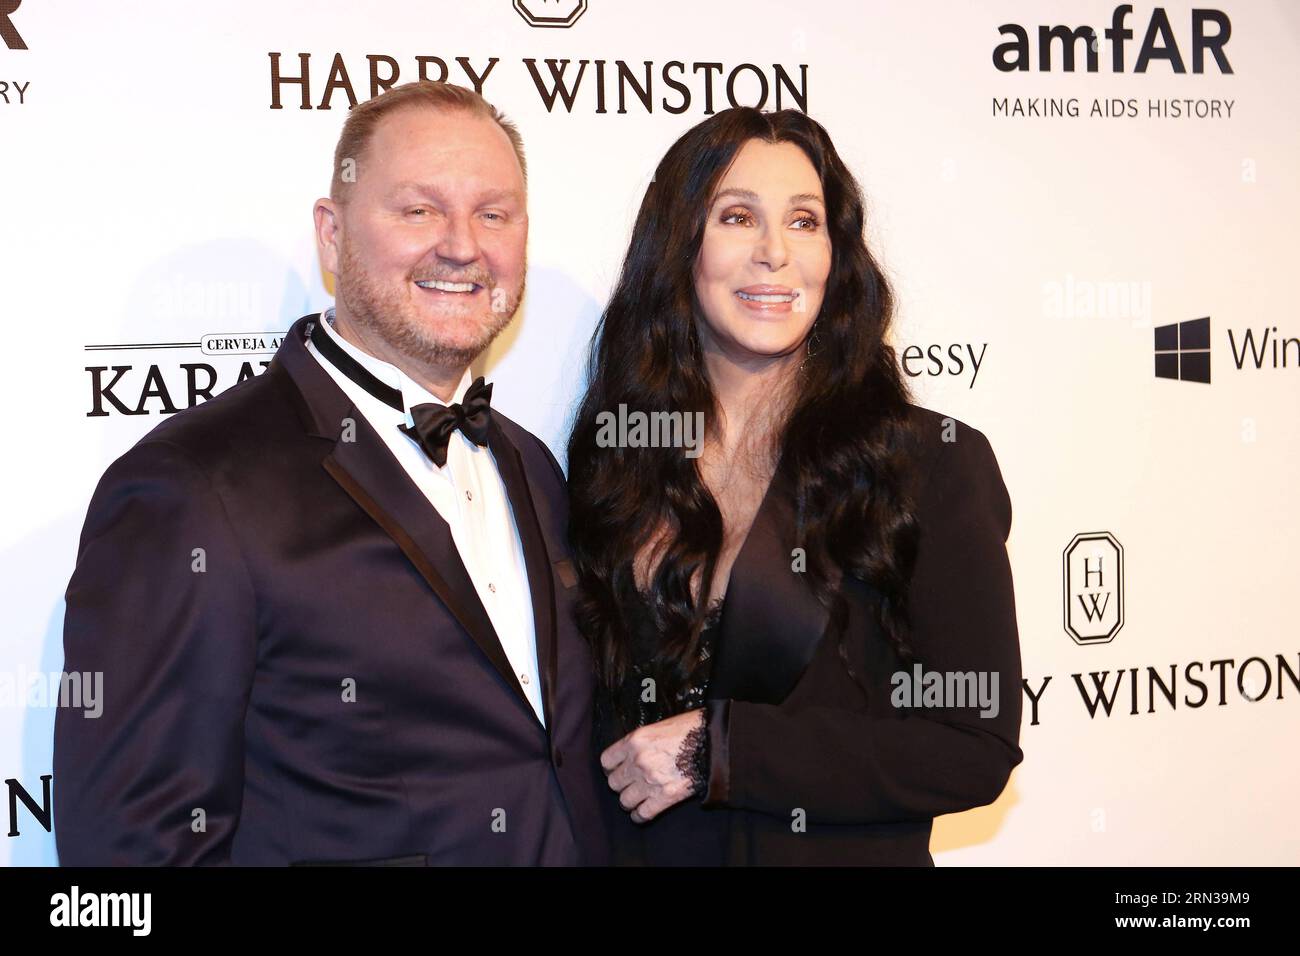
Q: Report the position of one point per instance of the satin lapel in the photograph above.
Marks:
(537, 560)
(771, 620)
(366, 470)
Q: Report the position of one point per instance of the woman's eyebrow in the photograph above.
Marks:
(748, 195)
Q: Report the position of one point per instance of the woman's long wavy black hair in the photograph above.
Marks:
(842, 448)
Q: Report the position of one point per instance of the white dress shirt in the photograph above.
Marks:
(469, 495)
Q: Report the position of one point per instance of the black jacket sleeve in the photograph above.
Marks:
(859, 767)
(162, 606)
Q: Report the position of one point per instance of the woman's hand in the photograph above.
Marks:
(646, 768)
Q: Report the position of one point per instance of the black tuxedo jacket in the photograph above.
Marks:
(297, 668)
(811, 761)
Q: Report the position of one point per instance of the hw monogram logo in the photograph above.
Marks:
(1093, 587)
(550, 13)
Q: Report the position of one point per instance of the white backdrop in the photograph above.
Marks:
(152, 196)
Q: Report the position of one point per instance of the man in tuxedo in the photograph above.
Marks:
(332, 606)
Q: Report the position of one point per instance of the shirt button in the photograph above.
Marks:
(469, 495)
(492, 587)
(523, 678)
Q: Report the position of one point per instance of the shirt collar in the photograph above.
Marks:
(413, 393)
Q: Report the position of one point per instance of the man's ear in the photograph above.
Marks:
(329, 233)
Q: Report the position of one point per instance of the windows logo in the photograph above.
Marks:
(1183, 351)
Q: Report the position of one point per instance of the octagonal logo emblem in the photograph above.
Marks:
(1093, 572)
(550, 13)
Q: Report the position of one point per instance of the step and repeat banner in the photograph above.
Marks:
(1088, 210)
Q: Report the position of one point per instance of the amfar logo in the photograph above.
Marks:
(13, 39)
(1158, 43)
(1183, 351)
(550, 13)
(1093, 587)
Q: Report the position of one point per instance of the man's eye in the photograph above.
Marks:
(417, 212)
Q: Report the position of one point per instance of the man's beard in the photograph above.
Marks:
(397, 320)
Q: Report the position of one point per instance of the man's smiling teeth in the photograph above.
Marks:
(767, 298)
(446, 286)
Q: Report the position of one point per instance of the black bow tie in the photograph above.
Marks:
(434, 423)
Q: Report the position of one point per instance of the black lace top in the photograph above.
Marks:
(686, 834)
(641, 699)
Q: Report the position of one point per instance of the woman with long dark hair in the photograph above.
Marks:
(803, 626)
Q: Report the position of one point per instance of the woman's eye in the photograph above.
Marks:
(735, 215)
(811, 220)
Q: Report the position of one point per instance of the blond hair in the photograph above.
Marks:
(364, 118)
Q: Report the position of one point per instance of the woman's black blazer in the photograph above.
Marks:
(811, 761)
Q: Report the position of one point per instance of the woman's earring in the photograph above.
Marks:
(812, 345)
